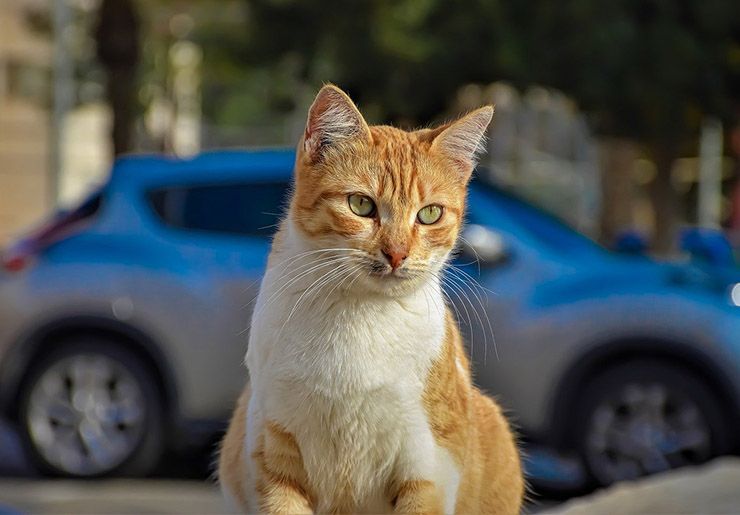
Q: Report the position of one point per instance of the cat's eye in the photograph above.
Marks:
(361, 205)
(430, 214)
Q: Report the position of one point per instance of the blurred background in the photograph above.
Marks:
(599, 108)
(620, 119)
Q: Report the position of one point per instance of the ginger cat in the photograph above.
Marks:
(360, 396)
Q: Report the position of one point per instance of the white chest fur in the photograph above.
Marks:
(346, 377)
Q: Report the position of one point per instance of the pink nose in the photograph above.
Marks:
(395, 256)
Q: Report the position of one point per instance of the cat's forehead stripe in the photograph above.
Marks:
(399, 155)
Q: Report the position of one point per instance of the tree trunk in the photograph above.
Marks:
(120, 93)
(665, 199)
(117, 38)
(617, 158)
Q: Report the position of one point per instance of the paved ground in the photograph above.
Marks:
(711, 489)
(151, 496)
(21, 491)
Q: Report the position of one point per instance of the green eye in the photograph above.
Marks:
(361, 205)
(430, 214)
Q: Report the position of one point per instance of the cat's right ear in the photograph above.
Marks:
(333, 118)
(463, 139)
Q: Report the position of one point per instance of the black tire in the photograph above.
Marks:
(644, 416)
(144, 447)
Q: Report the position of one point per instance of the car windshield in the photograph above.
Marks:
(538, 223)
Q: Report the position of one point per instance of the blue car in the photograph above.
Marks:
(617, 365)
(627, 364)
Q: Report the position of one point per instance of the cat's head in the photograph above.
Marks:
(393, 200)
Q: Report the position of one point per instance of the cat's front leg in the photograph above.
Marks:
(280, 476)
(279, 497)
(416, 486)
(417, 496)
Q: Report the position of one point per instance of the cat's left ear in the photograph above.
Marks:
(461, 141)
(332, 119)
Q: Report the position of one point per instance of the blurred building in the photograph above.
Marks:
(541, 146)
(25, 69)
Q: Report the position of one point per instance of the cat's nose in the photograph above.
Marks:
(395, 256)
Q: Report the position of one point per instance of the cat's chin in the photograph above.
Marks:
(391, 284)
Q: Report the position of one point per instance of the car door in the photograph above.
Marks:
(222, 233)
(508, 277)
(489, 288)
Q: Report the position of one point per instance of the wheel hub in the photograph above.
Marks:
(644, 429)
(86, 414)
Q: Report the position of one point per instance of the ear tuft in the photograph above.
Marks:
(332, 118)
(465, 138)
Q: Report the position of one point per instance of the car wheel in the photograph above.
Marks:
(645, 417)
(91, 408)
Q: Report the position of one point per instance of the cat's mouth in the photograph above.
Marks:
(398, 275)
(382, 278)
(381, 270)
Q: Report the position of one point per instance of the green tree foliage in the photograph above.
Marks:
(646, 70)
(643, 68)
(402, 60)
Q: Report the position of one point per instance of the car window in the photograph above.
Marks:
(252, 209)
